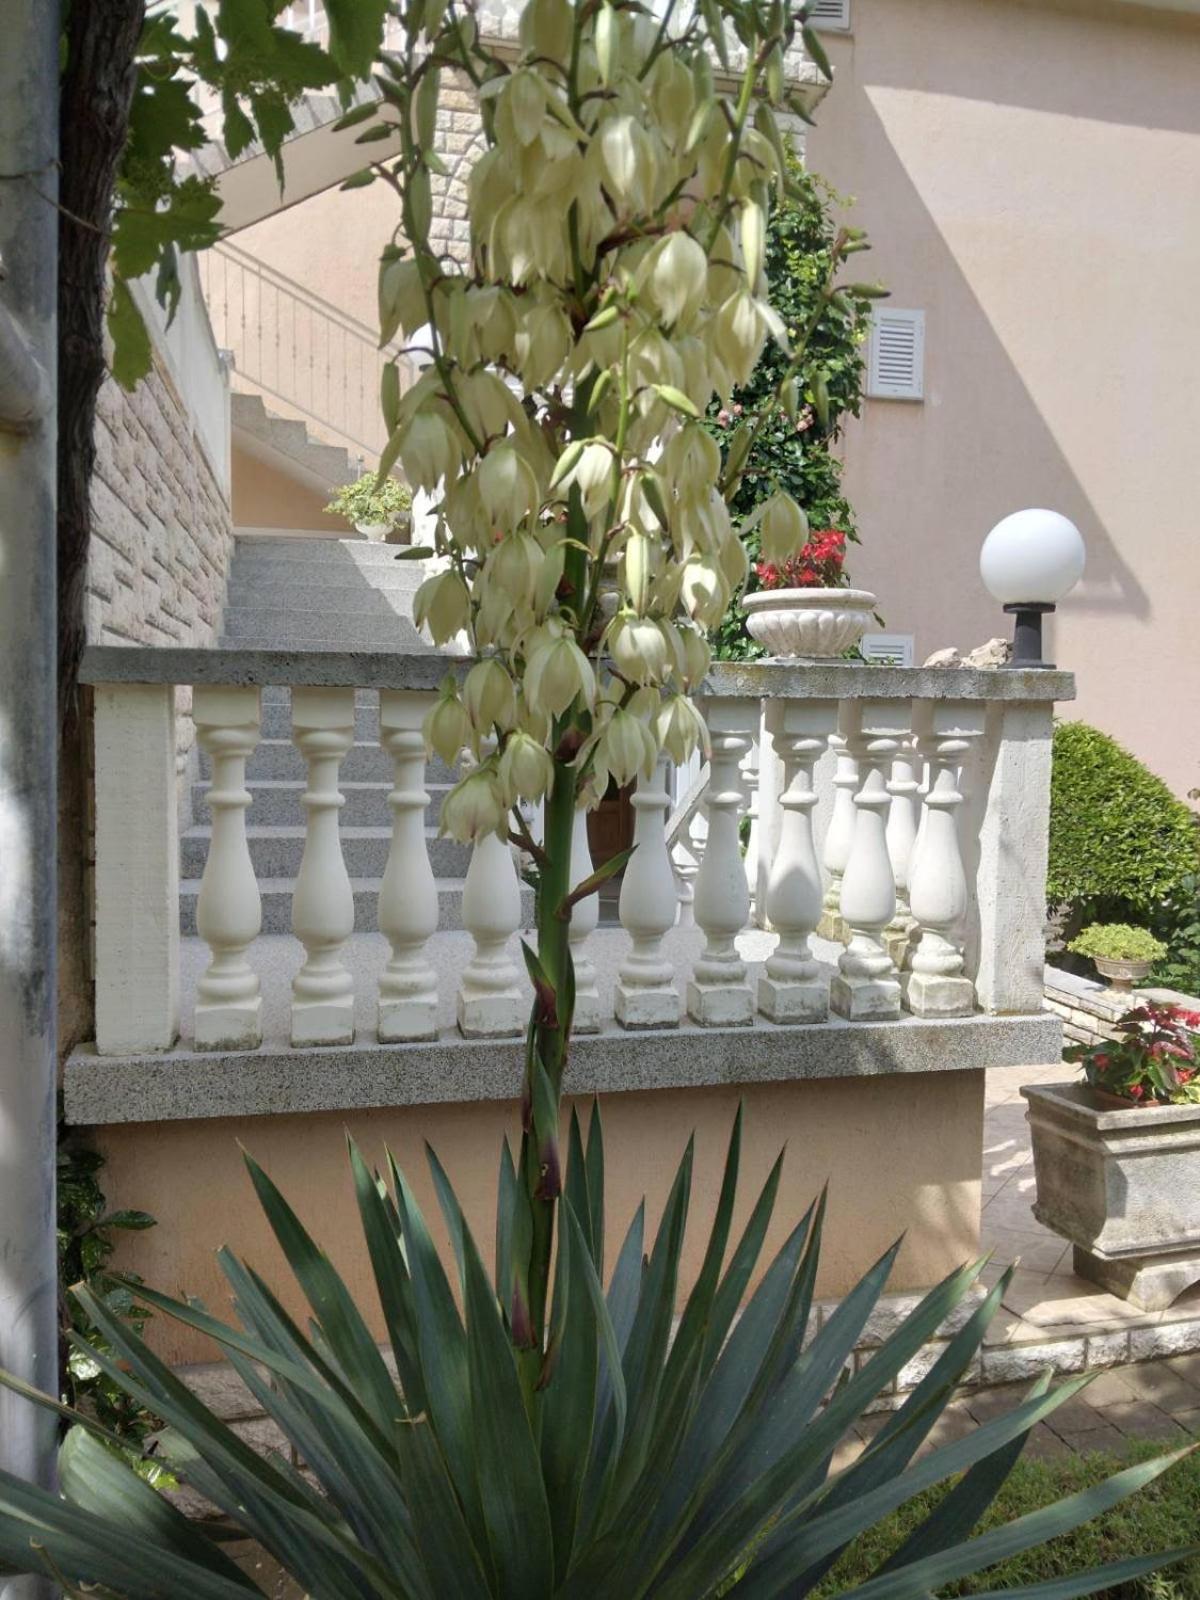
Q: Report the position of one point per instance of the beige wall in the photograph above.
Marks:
(1030, 174)
(265, 497)
(919, 1135)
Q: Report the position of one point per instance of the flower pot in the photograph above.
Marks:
(1121, 975)
(377, 532)
(808, 624)
(1122, 1183)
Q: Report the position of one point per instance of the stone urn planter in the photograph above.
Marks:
(1123, 1185)
(808, 624)
(376, 532)
(1122, 975)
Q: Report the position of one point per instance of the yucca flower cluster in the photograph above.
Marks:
(616, 284)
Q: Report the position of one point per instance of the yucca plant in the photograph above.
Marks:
(650, 1458)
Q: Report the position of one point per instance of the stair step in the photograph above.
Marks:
(284, 629)
(267, 580)
(276, 896)
(344, 604)
(278, 759)
(278, 805)
(344, 554)
(276, 852)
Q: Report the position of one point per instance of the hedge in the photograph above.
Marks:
(1121, 844)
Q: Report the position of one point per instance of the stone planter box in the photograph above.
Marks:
(808, 624)
(1123, 1186)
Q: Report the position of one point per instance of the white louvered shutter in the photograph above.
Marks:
(888, 649)
(830, 14)
(896, 355)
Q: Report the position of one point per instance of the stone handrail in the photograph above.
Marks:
(901, 818)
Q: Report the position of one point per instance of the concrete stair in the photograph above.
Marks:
(288, 593)
(288, 442)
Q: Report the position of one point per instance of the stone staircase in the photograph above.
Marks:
(311, 594)
(289, 443)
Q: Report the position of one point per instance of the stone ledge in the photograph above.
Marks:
(395, 669)
(183, 1085)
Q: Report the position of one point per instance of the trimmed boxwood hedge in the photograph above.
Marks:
(1122, 847)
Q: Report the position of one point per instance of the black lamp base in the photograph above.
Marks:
(1027, 634)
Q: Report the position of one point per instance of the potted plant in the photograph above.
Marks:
(803, 608)
(1121, 953)
(1117, 1157)
(373, 506)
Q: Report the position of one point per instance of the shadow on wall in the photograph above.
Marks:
(1001, 156)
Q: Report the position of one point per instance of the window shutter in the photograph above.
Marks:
(896, 355)
(830, 14)
(888, 649)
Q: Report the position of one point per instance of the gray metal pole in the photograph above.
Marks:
(28, 737)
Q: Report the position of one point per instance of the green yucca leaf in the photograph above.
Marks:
(594, 1164)
(1119, 1576)
(741, 1267)
(569, 1401)
(381, 1229)
(451, 1213)
(448, 1552)
(575, 1182)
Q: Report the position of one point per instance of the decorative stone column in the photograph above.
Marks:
(867, 985)
(493, 1003)
(839, 836)
(937, 985)
(229, 908)
(585, 915)
(901, 840)
(793, 987)
(719, 994)
(323, 899)
(749, 776)
(645, 994)
(408, 897)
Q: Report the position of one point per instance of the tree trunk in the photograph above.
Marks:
(97, 91)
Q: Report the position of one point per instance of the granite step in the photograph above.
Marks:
(284, 628)
(368, 762)
(269, 579)
(278, 804)
(276, 895)
(342, 600)
(332, 553)
(277, 852)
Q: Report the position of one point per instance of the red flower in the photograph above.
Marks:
(1135, 1091)
(1100, 1061)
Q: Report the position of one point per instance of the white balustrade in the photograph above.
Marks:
(585, 915)
(901, 840)
(646, 996)
(493, 1001)
(719, 994)
(323, 899)
(228, 1013)
(839, 835)
(408, 896)
(687, 868)
(937, 985)
(867, 984)
(749, 776)
(793, 987)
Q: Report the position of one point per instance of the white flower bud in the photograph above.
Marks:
(475, 807)
(679, 276)
(593, 473)
(543, 342)
(625, 748)
(556, 672)
(704, 591)
(696, 656)
(489, 696)
(546, 27)
(447, 727)
(680, 729)
(507, 487)
(514, 566)
(640, 650)
(692, 461)
(526, 768)
(428, 450)
(738, 334)
(625, 159)
(442, 606)
(784, 528)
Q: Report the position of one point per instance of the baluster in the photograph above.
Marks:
(228, 910)
(686, 863)
(585, 915)
(645, 994)
(492, 1003)
(793, 987)
(322, 900)
(937, 985)
(901, 842)
(748, 777)
(839, 836)
(408, 897)
(719, 994)
(867, 984)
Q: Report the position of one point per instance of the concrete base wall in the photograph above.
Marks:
(901, 1153)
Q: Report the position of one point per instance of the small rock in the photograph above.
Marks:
(995, 653)
(945, 658)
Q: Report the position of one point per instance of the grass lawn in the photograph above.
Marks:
(1165, 1514)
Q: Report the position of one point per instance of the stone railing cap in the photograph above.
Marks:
(391, 669)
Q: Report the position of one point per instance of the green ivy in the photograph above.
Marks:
(1122, 847)
(800, 460)
(87, 1237)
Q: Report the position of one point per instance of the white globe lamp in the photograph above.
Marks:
(1030, 561)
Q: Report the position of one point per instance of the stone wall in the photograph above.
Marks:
(1091, 1010)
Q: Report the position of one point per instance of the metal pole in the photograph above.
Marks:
(28, 738)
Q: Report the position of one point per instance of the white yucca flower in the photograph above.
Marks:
(447, 727)
(508, 490)
(783, 527)
(475, 807)
(678, 277)
(526, 768)
(557, 672)
(490, 697)
(442, 606)
(429, 451)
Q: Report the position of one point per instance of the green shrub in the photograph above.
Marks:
(1118, 941)
(1122, 847)
(368, 502)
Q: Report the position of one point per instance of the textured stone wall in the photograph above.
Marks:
(459, 142)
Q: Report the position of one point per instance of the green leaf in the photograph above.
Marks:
(132, 355)
(569, 1394)
(816, 52)
(675, 398)
(355, 33)
(357, 115)
(359, 180)
(134, 1220)
(416, 552)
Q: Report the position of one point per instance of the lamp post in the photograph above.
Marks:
(1030, 561)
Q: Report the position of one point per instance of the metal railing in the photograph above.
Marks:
(291, 345)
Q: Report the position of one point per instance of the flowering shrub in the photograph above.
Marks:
(817, 565)
(1153, 1063)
